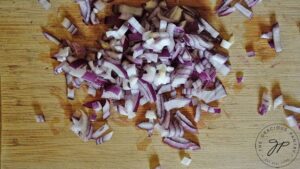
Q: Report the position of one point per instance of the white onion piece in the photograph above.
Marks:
(268, 35)
(163, 25)
(62, 54)
(99, 132)
(292, 108)
(291, 121)
(213, 32)
(137, 26)
(278, 101)
(197, 114)
(66, 23)
(40, 118)
(45, 4)
(243, 10)
(265, 104)
(186, 161)
(71, 93)
(82, 127)
(51, 38)
(276, 38)
(146, 125)
(176, 103)
(150, 114)
(227, 44)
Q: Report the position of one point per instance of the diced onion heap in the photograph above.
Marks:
(146, 56)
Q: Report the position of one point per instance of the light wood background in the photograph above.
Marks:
(28, 86)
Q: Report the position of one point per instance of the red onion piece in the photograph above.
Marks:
(292, 108)
(85, 9)
(251, 53)
(146, 125)
(104, 138)
(99, 132)
(291, 121)
(252, 3)
(51, 38)
(278, 101)
(267, 35)
(40, 118)
(247, 13)
(66, 23)
(186, 161)
(265, 104)
(45, 4)
(82, 127)
(176, 103)
(197, 114)
(276, 38)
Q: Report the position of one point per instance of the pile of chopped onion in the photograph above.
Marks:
(153, 54)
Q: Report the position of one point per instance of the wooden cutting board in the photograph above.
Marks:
(28, 86)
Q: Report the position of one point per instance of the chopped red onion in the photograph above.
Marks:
(104, 138)
(251, 53)
(144, 57)
(99, 132)
(276, 38)
(176, 103)
(186, 161)
(210, 109)
(51, 38)
(291, 121)
(265, 104)
(240, 77)
(246, 12)
(66, 23)
(71, 93)
(292, 108)
(85, 9)
(227, 44)
(197, 114)
(40, 118)
(267, 35)
(278, 101)
(252, 3)
(146, 125)
(82, 127)
(45, 4)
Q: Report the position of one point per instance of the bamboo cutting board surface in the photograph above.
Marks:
(28, 86)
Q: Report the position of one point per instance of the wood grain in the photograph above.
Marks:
(28, 86)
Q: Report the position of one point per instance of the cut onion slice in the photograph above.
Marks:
(278, 101)
(40, 118)
(66, 23)
(292, 108)
(246, 12)
(276, 38)
(45, 4)
(265, 104)
(291, 121)
(176, 103)
(186, 161)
